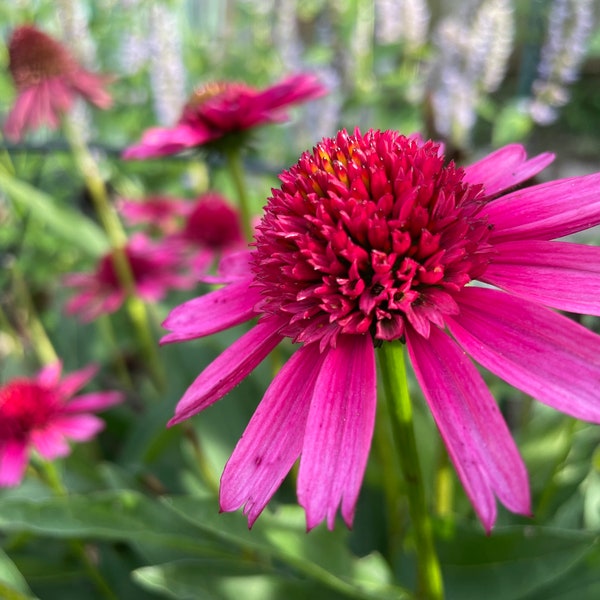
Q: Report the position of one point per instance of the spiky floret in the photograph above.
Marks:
(369, 232)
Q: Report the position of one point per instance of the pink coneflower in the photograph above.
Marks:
(212, 228)
(156, 268)
(373, 238)
(219, 112)
(48, 79)
(41, 413)
(163, 214)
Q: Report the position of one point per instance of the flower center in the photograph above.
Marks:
(25, 406)
(34, 56)
(142, 269)
(369, 233)
(213, 224)
(215, 89)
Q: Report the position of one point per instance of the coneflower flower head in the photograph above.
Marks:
(41, 413)
(48, 79)
(373, 238)
(221, 113)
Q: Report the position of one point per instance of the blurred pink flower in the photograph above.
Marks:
(373, 238)
(41, 413)
(220, 110)
(212, 228)
(156, 269)
(162, 213)
(48, 79)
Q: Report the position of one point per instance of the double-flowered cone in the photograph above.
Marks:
(373, 238)
(41, 413)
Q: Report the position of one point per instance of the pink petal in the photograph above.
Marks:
(162, 141)
(49, 376)
(50, 442)
(557, 274)
(476, 436)
(273, 438)
(338, 431)
(533, 348)
(78, 427)
(229, 368)
(13, 462)
(233, 266)
(546, 211)
(93, 402)
(74, 381)
(505, 168)
(213, 312)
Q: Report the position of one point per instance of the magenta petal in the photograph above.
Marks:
(161, 141)
(49, 376)
(73, 382)
(50, 442)
(13, 462)
(557, 274)
(478, 440)
(78, 427)
(213, 312)
(546, 211)
(273, 438)
(505, 168)
(92, 402)
(229, 368)
(547, 355)
(338, 431)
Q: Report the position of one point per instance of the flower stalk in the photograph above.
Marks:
(118, 239)
(393, 373)
(236, 170)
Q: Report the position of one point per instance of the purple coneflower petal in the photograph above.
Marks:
(93, 401)
(505, 168)
(78, 427)
(221, 309)
(49, 376)
(273, 438)
(547, 355)
(73, 382)
(338, 431)
(50, 442)
(13, 462)
(546, 211)
(478, 440)
(564, 275)
(229, 368)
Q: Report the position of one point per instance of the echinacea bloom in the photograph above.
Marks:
(162, 213)
(48, 79)
(211, 228)
(42, 413)
(373, 238)
(219, 111)
(156, 269)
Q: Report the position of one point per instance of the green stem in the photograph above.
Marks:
(430, 585)
(51, 476)
(236, 169)
(118, 240)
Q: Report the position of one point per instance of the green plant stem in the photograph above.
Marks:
(236, 169)
(41, 342)
(118, 239)
(430, 585)
(49, 473)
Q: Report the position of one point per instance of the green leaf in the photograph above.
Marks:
(70, 225)
(12, 584)
(321, 555)
(510, 563)
(224, 579)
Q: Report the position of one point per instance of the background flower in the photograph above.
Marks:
(48, 79)
(218, 111)
(42, 413)
(156, 267)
